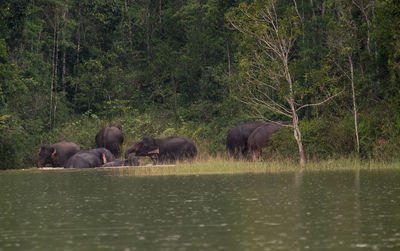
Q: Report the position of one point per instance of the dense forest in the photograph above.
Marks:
(197, 68)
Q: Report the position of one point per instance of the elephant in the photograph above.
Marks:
(111, 138)
(57, 155)
(131, 161)
(259, 138)
(90, 158)
(236, 141)
(164, 150)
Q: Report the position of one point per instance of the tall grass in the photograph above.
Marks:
(220, 165)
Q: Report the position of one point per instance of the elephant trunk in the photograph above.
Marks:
(130, 150)
(42, 162)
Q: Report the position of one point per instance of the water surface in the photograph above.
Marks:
(109, 209)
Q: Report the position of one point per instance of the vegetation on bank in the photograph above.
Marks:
(161, 68)
(220, 165)
(325, 150)
(210, 165)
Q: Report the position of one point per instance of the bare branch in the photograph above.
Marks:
(342, 70)
(320, 103)
(297, 11)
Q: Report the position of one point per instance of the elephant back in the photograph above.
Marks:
(111, 138)
(174, 148)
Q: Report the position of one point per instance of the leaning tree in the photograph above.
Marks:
(268, 33)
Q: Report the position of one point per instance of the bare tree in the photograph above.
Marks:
(344, 46)
(367, 8)
(269, 82)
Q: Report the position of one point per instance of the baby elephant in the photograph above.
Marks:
(131, 161)
(89, 159)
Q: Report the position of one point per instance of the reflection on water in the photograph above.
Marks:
(90, 210)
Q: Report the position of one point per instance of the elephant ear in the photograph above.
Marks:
(53, 154)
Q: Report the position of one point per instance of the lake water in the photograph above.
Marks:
(111, 210)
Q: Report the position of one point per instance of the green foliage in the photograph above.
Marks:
(342, 137)
(13, 142)
(68, 68)
(322, 140)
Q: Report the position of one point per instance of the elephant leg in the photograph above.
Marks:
(154, 158)
(253, 156)
(256, 155)
(130, 150)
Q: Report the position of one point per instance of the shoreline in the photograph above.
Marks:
(225, 166)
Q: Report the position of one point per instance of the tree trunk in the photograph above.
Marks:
(296, 132)
(129, 24)
(312, 8)
(64, 56)
(78, 49)
(64, 70)
(160, 11)
(147, 21)
(56, 73)
(295, 118)
(52, 76)
(354, 103)
(364, 11)
(175, 99)
(39, 39)
(229, 59)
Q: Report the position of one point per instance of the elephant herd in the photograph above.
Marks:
(251, 137)
(109, 141)
(248, 138)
